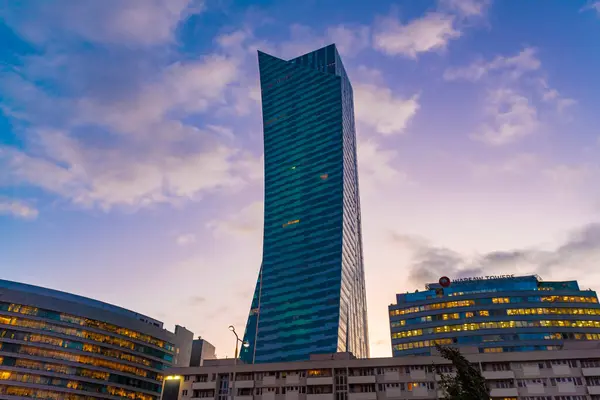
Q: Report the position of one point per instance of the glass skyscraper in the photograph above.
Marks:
(310, 294)
(497, 314)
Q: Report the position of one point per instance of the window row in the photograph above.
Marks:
(72, 319)
(495, 300)
(497, 312)
(496, 325)
(97, 337)
(8, 376)
(81, 359)
(74, 345)
(78, 371)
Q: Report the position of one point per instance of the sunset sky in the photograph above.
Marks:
(131, 145)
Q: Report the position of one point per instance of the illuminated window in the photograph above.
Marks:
(319, 372)
(291, 222)
(495, 325)
(493, 350)
(27, 310)
(84, 359)
(484, 313)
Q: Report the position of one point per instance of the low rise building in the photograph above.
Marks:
(201, 350)
(571, 373)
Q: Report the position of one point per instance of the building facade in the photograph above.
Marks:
(310, 294)
(201, 350)
(56, 345)
(497, 314)
(569, 374)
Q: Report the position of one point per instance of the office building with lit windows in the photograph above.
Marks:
(56, 345)
(572, 373)
(310, 294)
(496, 314)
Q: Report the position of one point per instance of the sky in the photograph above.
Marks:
(131, 145)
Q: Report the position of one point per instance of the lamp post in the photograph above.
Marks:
(237, 342)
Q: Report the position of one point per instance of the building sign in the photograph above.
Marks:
(483, 278)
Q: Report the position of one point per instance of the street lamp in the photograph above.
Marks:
(237, 342)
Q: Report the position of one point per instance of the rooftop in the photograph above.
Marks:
(74, 298)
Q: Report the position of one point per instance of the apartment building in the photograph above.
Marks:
(571, 373)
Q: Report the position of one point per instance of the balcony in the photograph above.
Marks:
(563, 370)
(268, 396)
(269, 380)
(322, 396)
(420, 392)
(362, 396)
(242, 384)
(361, 379)
(531, 370)
(566, 387)
(291, 395)
(504, 392)
(292, 379)
(536, 388)
(492, 375)
(438, 377)
(204, 385)
(393, 392)
(595, 371)
(391, 376)
(418, 374)
(593, 390)
(319, 380)
(246, 397)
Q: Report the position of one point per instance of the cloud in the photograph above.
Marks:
(187, 88)
(510, 116)
(467, 8)
(113, 22)
(90, 176)
(550, 95)
(247, 221)
(508, 72)
(432, 32)
(514, 67)
(17, 209)
(196, 300)
(575, 256)
(376, 166)
(349, 39)
(135, 138)
(379, 108)
(592, 6)
(186, 239)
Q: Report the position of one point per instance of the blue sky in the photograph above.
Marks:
(131, 149)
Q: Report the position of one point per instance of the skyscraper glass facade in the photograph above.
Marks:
(497, 314)
(310, 294)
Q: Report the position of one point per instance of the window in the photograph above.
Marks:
(72, 319)
(293, 222)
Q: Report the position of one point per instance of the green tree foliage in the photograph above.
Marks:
(467, 383)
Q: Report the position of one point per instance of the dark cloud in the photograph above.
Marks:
(196, 300)
(576, 257)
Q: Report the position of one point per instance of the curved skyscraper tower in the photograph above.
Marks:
(310, 294)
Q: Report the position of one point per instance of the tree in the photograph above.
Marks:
(467, 383)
